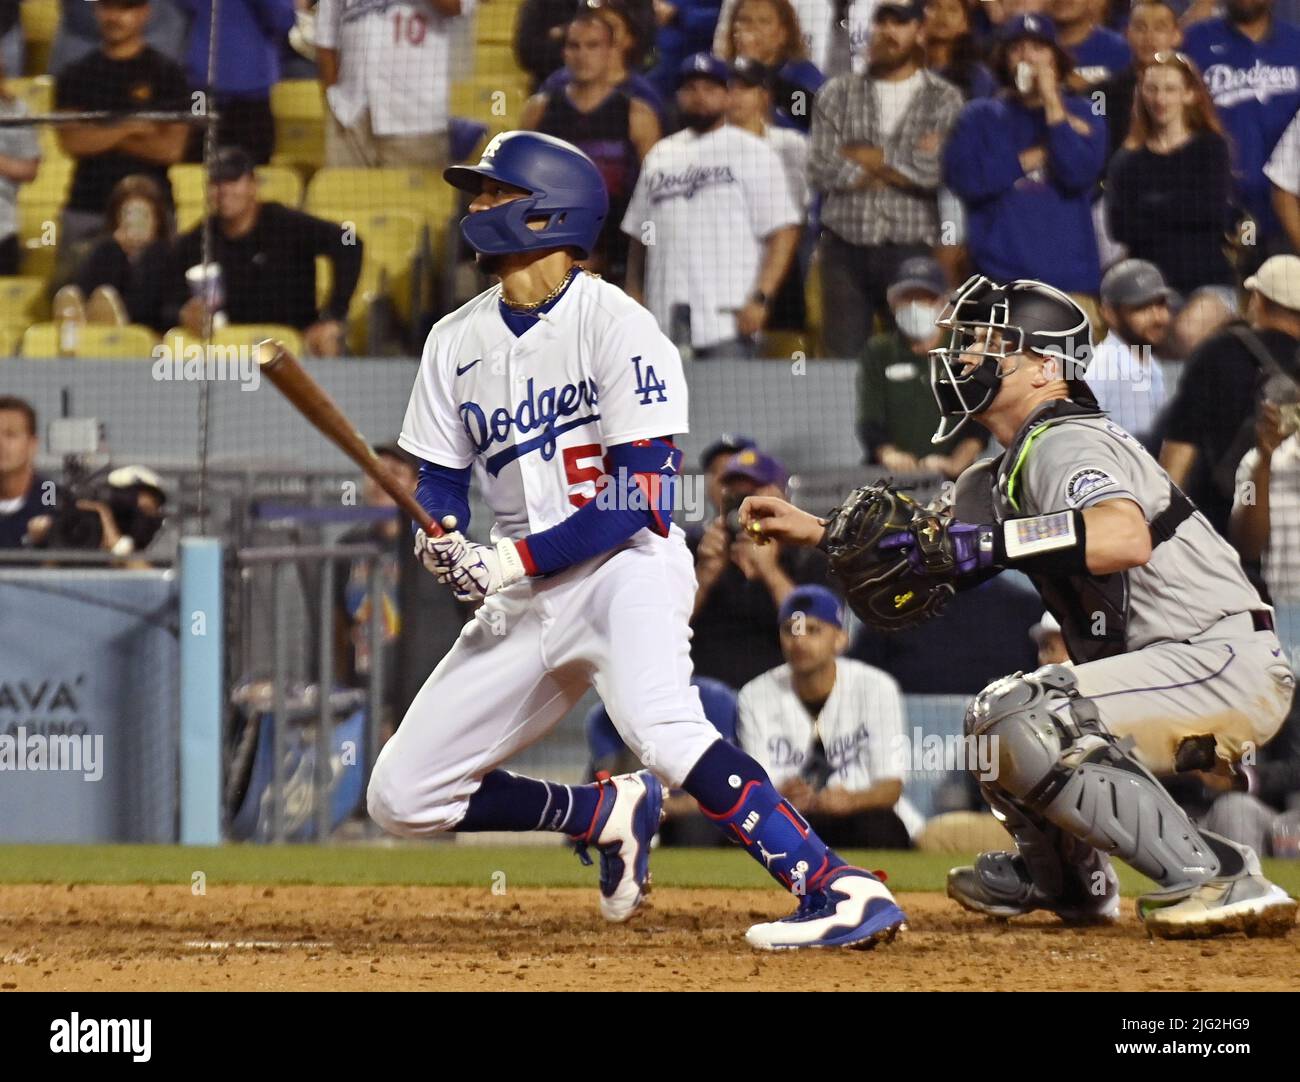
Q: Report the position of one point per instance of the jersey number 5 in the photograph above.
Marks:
(647, 383)
(580, 476)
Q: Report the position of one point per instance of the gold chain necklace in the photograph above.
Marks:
(532, 306)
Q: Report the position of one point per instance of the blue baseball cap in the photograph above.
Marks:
(729, 443)
(704, 66)
(1039, 27)
(758, 467)
(815, 601)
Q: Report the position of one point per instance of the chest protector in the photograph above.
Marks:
(1092, 610)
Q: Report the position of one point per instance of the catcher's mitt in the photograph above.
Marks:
(879, 584)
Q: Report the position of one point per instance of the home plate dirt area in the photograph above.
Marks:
(66, 936)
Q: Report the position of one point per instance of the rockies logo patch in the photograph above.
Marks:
(1084, 483)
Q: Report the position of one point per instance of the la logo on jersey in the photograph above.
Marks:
(647, 383)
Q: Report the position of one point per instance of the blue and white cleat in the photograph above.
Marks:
(626, 819)
(852, 909)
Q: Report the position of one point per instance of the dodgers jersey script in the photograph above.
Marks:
(535, 414)
(710, 199)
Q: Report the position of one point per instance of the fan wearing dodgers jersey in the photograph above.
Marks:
(829, 730)
(561, 395)
(712, 223)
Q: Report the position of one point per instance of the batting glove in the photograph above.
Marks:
(473, 571)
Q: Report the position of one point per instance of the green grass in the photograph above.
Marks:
(448, 865)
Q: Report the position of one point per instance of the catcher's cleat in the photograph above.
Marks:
(626, 819)
(1245, 902)
(999, 886)
(852, 909)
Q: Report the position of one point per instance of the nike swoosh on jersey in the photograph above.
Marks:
(461, 371)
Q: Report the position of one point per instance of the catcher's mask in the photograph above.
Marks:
(987, 325)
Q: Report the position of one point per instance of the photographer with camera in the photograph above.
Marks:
(21, 487)
(741, 585)
(121, 514)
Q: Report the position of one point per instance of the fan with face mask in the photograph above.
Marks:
(988, 325)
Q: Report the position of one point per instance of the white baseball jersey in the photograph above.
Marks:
(394, 59)
(536, 414)
(860, 726)
(791, 147)
(703, 205)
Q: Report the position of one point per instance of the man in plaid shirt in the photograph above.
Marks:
(876, 141)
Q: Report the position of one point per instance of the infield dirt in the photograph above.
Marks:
(58, 937)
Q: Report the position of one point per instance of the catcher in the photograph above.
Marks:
(1176, 666)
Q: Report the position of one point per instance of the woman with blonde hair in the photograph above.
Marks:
(20, 157)
(1169, 191)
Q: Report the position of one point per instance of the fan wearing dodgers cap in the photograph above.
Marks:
(712, 223)
(830, 730)
(1125, 372)
(1211, 418)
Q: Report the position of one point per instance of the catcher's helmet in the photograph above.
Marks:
(565, 189)
(1023, 317)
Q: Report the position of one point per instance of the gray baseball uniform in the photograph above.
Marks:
(1179, 647)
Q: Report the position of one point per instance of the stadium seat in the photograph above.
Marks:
(132, 342)
(10, 335)
(178, 340)
(37, 91)
(40, 20)
(279, 184)
(340, 194)
(496, 58)
(497, 100)
(495, 21)
(249, 334)
(22, 297)
(299, 111)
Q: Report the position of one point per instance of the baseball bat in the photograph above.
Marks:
(309, 398)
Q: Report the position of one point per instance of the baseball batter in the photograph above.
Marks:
(563, 397)
(1176, 663)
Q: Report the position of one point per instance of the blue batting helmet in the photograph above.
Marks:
(564, 187)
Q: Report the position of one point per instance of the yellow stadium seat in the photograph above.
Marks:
(10, 335)
(496, 58)
(277, 184)
(40, 20)
(249, 334)
(22, 297)
(298, 107)
(37, 91)
(178, 340)
(92, 342)
(495, 21)
(495, 99)
(340, 194)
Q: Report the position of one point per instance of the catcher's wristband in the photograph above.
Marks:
(1054, 544)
